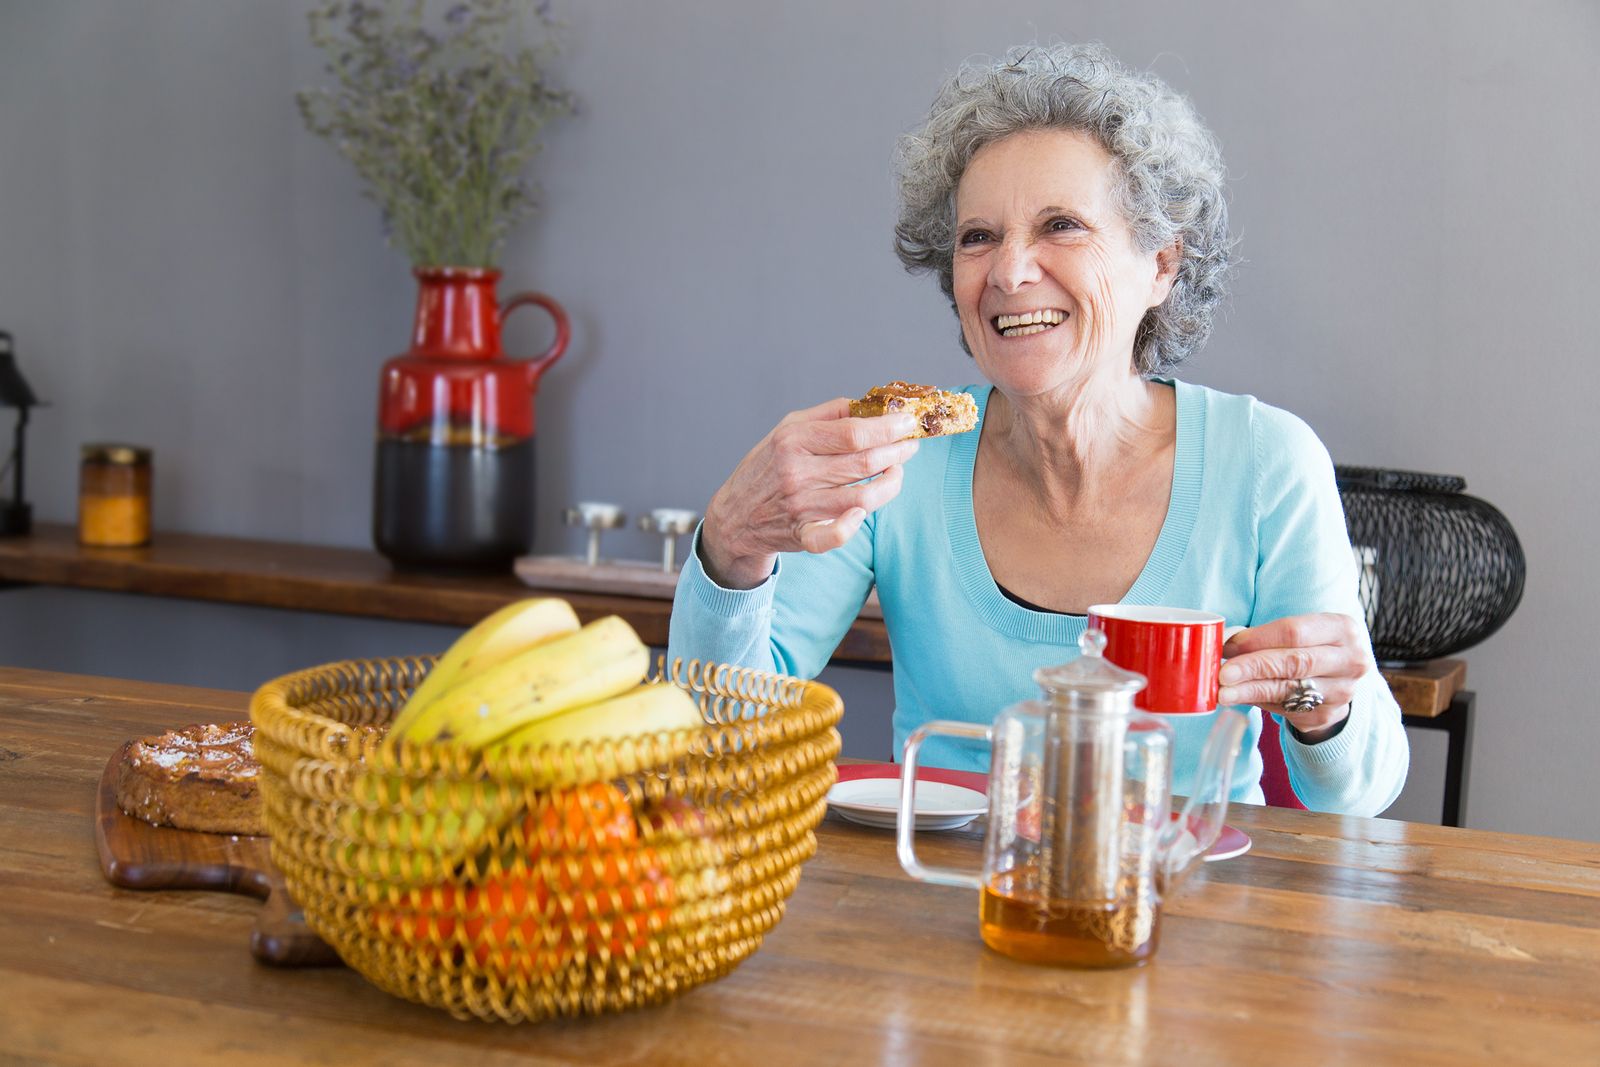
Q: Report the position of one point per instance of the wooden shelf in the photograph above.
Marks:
(1425, 690)
(339, 581)
(354, 581)
(627, 577)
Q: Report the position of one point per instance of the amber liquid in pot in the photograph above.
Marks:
(1018, 921)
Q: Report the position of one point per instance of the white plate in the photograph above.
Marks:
(876, 802)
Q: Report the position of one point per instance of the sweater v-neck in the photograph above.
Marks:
(1010, 618)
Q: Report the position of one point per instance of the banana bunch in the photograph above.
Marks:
(514, 628)
(530, 675)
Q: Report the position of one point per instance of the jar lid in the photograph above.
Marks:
(1090, 673)
(122, 455)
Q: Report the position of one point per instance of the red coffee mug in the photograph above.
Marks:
(1179, 651)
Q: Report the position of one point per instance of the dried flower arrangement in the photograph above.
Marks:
(442, 122)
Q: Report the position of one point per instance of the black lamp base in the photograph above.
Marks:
(16, 520)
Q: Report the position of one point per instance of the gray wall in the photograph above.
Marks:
(184, 266)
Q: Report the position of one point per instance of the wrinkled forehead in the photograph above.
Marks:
(1024, 173)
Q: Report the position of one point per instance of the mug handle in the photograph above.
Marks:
(541, 363)
(907, 824)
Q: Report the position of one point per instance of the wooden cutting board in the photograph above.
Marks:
(136, 855)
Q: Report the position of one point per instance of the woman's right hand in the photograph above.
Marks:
(797, 491)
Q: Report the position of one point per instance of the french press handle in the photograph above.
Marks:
(907, 825)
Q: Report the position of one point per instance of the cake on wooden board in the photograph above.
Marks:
(202, 777)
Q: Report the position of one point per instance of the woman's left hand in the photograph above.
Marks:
(1264, 663)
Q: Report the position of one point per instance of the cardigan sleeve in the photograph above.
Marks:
(789, 624)
(1305, 564)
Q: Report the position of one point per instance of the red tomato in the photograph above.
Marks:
(673, 817)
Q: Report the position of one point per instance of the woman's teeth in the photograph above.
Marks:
(1029, 322)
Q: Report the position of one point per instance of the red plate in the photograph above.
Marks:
(850, 772)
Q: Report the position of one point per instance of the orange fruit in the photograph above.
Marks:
(423, 918)
(591, 816)
(585, 883)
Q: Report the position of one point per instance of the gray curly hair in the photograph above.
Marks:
(1170, 173)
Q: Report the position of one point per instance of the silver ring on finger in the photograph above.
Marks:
(1304, 696)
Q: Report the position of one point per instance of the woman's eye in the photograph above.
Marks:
(1060, 225)
(973, 237)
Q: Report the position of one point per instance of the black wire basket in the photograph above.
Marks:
(1439, 570)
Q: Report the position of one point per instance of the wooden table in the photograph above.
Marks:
(1333, 940)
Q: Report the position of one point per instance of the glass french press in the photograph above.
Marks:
(1082, 847)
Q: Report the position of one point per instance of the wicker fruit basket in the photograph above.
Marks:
(550, 881)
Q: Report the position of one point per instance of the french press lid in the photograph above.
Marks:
(1091, 682)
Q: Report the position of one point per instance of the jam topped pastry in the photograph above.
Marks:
(202, 777)
(937, 412)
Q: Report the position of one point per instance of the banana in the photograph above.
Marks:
(599, 661)
(648, 709)
(412, 847)
(492, 641)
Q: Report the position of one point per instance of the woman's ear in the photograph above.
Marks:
(1167, 262)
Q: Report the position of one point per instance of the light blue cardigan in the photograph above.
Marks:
(1254, 532)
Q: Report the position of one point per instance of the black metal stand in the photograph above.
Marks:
(1456, 722)
(16, 517)
(16, 520)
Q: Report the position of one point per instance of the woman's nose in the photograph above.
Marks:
(1014, 266)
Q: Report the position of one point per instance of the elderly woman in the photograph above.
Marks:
(1073, 211)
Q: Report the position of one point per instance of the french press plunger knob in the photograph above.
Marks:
(669, 523)
(595, 517)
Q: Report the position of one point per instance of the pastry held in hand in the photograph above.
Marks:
(937, 412)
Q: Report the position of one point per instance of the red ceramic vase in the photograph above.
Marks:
(454, 486)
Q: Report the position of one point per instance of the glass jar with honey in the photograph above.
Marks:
(114, 496)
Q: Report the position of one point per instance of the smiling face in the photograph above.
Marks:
(1049, 284)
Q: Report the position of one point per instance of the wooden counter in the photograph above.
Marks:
(1333, 940)
(340, 581)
